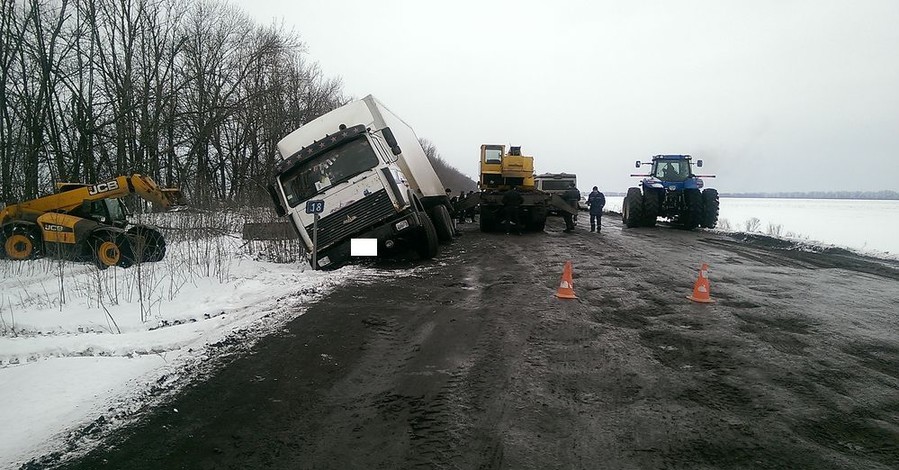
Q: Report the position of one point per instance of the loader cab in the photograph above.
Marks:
(110, 211)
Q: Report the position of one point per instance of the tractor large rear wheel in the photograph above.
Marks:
(632, 208)
(651, 202)
(709, 208)
(692, 212)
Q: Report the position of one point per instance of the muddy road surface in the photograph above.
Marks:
(473, 363)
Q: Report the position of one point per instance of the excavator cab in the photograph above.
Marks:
(500, 170)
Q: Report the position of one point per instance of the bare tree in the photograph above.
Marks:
(194, 94)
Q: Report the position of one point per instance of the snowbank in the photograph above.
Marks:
(79, 345)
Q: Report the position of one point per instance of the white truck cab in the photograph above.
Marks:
(375, 180)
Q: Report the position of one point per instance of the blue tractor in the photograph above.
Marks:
(671, 191)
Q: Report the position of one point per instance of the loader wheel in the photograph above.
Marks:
(428, 244)
(109, 249)
(709, 208)
(148, 244)
(20, 245)
(632, 208)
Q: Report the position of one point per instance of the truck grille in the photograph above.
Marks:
(353, 219)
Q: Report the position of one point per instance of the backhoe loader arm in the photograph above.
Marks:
(146, 188)
(72, 195)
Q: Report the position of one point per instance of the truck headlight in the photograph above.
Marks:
(324, 261)
(401, 225)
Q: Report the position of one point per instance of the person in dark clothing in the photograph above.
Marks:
(596, 200)
(571, 196)
(470, 211)
(512, 201)
(453, 202)
(460, 213)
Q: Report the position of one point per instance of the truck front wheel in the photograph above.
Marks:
(427, 243)
(443, 223)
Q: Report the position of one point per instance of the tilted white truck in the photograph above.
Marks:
(376, 182)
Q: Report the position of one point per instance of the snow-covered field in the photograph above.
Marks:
(864, 226)
(78, 344)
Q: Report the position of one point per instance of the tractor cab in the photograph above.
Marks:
(671, 170)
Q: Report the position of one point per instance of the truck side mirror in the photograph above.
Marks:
(699, 163)
(391, 141)
(638, 163)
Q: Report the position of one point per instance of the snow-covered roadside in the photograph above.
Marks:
(81, 346)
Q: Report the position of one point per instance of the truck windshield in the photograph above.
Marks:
(327, 170)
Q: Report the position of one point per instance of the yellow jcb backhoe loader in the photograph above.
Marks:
(85, 222)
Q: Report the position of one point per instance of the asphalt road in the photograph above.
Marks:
(473, 363)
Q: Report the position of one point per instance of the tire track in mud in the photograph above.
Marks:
(454, 422)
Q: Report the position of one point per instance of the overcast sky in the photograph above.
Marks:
(773, 95)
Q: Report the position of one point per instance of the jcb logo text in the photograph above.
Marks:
(103, 187)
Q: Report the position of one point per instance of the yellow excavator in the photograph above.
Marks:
(84, 222)
(500, 170)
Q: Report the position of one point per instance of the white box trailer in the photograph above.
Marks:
(368, 168)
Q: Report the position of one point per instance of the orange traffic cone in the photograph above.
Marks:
(566, 287)
(701, 288)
